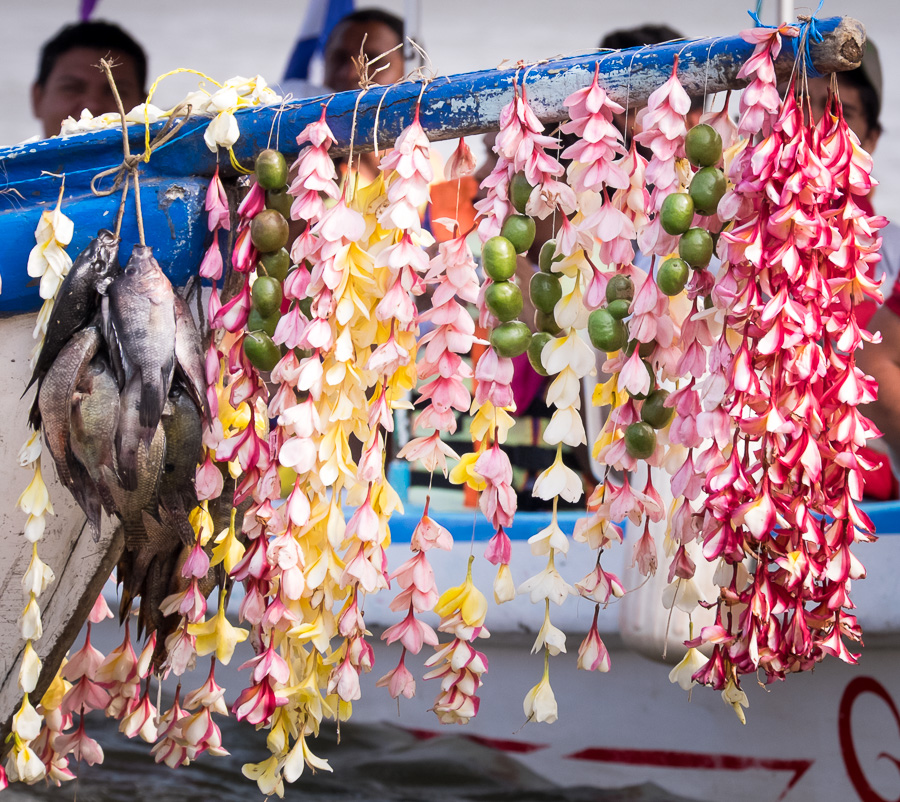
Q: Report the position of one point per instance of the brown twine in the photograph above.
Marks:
(130, 163)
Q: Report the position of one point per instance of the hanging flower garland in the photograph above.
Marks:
(740, 385)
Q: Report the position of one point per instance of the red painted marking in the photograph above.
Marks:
(507, 745)
(856, 688)
(695, 760)
(503, 744)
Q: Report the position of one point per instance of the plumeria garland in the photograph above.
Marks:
(733, 381)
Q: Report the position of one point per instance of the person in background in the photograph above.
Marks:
(373, 32)
(860, 92)
(69, 77)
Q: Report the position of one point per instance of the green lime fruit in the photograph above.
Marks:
(269, 231)
(618, 288)
(676, 213)
(519, 230)
(266, 295)
(258, 322)
(511, 339)
(546, 290)
(535, 347)
(654, 411)
(707, 188)
(260, 350)
(271, 169)
(280, 201)
(547, 323)
(696, 247)
(504, 300)
(547, 257)
(276, 264)
(619, 309)
(703, 146)
(606, 332)
(640, 440)
(672, 276)
(645, 350)
(498, 258)
(519, 192)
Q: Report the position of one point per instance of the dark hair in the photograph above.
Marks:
(98, 35)
(868, 96)
(392, 21)
(641, 35)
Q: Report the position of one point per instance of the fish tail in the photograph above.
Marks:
(153, 401)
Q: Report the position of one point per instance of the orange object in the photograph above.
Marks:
(444, 204)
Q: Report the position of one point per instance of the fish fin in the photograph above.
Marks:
(34, 416)
(159, 534)
(85, 493)
(154, 394)
(175, 519)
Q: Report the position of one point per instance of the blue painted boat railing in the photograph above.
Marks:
(175, 178)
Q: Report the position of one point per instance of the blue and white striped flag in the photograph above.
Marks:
(321, 17)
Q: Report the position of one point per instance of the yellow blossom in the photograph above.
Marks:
(465, 598)
(489, 418)
(201, 522)
(464, 472)
(737, 699)
(299, 757)
(313, 631)
(218, 635)
(35, 500)
(606, 393)
(229, 550)
(54, 694)
(267, 775)
(385, 500)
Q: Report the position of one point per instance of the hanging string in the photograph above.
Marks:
(808, 31)
(130, 162)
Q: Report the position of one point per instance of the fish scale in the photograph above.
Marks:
(93, 420)
(76, 300)
(141, 329)
(55, 395)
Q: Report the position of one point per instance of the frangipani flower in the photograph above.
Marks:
(465, 598)
(217, 635)
(540, 702)
(690, 664)
(558, 480)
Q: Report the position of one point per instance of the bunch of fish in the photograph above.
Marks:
(122, 400)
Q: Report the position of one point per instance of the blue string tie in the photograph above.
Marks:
(809, 32)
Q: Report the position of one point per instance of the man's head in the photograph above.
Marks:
(860, 93)
(382, 32)
(70, 80)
